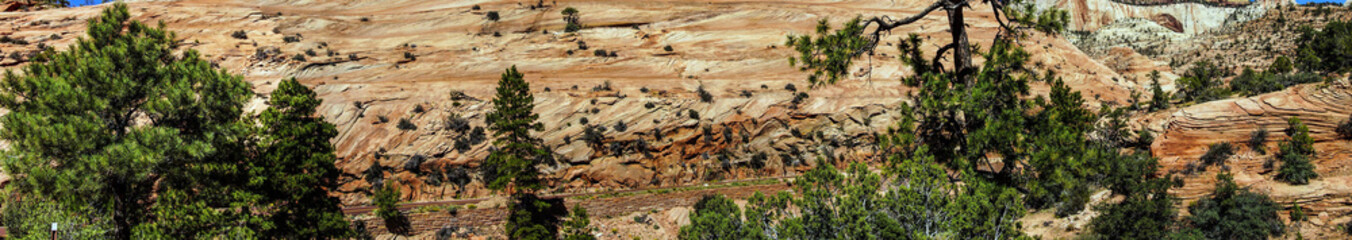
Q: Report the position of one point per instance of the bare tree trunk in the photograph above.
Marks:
(962, 54)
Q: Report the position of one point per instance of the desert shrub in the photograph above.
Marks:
(406, 125)
(298, 58)
(410, 56)
(291, 39)
(475, 7)
(704, 96)
(791, 87)
(455, 122)
(236, 34)
(693, 114)
(311, 52)
(418, 109)
(414, 163)
(746, 94)
(375, 173)
(600, 53)
(620, 126)
(492, 16)
(382, 119)
(649, 105)
(1256, 140)
(1217, 154)
(668, 48)
(15, 41)
(1344, 129)
(593, 136)
(798, 98)
(583, 121)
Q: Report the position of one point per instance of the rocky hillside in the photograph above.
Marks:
(434, 64)
(407, 83)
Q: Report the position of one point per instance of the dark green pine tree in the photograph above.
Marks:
(513, 166)
(297, 167)
(121, 129)
(1159, 99)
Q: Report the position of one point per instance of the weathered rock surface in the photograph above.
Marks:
(1191, 17)
(733, 49)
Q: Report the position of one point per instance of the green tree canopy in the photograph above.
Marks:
(1325, 49)
(125, 135)
(1232, 212)
(96, 127)
(297, 169)
(1296, 153)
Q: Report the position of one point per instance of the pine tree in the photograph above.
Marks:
(1296, 153)
(298, 166)
(513, 166)
(100, 128)
(1159, 99)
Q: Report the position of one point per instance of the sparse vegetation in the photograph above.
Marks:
(1344, 128)
(239, 35)
(1216, 154)
(1257, 139)
(667, 48)
(704, 96)
(291, 38)
(1251, 82)
(492, 16)
(572, 20)
(406, 125)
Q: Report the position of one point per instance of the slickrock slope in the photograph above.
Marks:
(731, 48)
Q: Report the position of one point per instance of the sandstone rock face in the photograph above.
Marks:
(1191, 17)
(732, 49)
(1186, 133)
